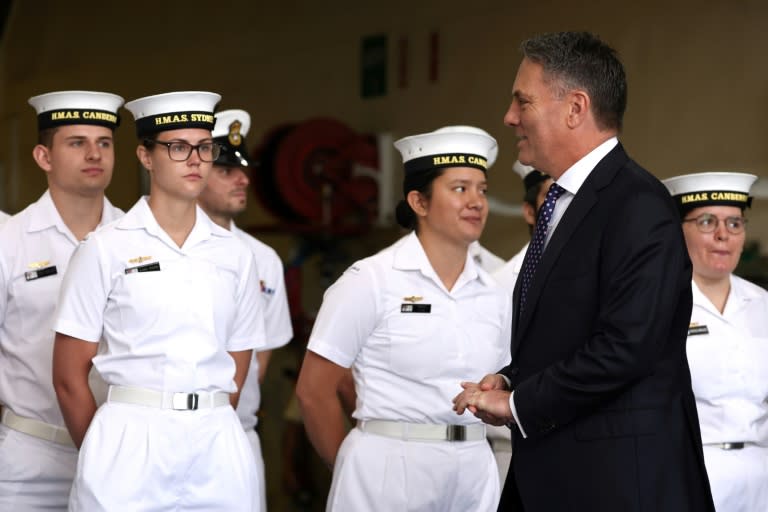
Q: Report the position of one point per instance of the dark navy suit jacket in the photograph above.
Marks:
(599, 369)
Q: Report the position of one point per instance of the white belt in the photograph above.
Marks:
(168, 399)
(733, 445)
(423, 431)
(36, 428)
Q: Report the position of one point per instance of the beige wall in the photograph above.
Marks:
(698, 81)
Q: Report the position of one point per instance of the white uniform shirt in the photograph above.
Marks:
(409, 341)
(4, 217)
(728, 356)
(506, 276)
(277, 320)
(485, 258)
(35, 250)
(168, 314)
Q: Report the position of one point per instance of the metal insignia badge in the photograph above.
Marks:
(413, 298)
(140, 259)
(38, 264)
(234, 136)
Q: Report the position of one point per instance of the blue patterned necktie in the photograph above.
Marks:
(533, 256)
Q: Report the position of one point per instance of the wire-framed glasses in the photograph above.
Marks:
(707, 223)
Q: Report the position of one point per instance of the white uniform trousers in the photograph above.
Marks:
(501, 445)
(739, 478)
(253, 440)
(141, 459)
(35, 474)
(377, 473)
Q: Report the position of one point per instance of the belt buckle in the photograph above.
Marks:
(456, 432)
(731, 446)
(185, 401)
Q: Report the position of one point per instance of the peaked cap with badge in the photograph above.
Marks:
(231, 128)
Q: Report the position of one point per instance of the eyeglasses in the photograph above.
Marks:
(707, 223)
(180, 151)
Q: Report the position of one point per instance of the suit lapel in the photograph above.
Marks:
(581, 204)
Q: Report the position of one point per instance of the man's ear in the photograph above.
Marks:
(42, 157)
(529, 214)
(417, 202)
(143, 154)
(579, 104)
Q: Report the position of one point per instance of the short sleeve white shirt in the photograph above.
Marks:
(410, 341)
(277, 320)
(35, 251)
(167, 314)
(728, 357)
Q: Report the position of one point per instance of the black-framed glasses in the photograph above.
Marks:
(180, 151)
(707, 223)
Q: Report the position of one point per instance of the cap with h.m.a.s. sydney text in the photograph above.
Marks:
(173, 111)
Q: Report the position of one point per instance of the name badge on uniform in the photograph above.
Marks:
(415, 308)
(149, 267)
(695, 329)
(31, 275)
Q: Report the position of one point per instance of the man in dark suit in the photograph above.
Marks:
(598, 395)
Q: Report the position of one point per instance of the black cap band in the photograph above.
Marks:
(62, 117)
(173, 121)
(446, 160)
(691, 200)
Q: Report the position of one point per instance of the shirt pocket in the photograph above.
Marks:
(416, 346)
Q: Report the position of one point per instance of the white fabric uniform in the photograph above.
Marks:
(407, 366)
(278, 332)
(35, 249)
(500, 437)
(4, 217)
(168, 317)
(728, 356)
(485, 258)
(506, 276)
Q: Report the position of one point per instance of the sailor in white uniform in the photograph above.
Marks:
(727, 339)
(413, 322)
(176, 299)
(224, 197)
(536, 184)
(76, 151)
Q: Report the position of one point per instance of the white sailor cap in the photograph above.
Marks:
(711, 188)
(231, 128)
(173, 111)
(76, 107)
(451, 146)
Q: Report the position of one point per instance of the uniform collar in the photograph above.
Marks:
(45, 215)
(140, 216)
(738, 297)
(410, 255)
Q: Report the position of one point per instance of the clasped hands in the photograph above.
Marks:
(488, 400)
